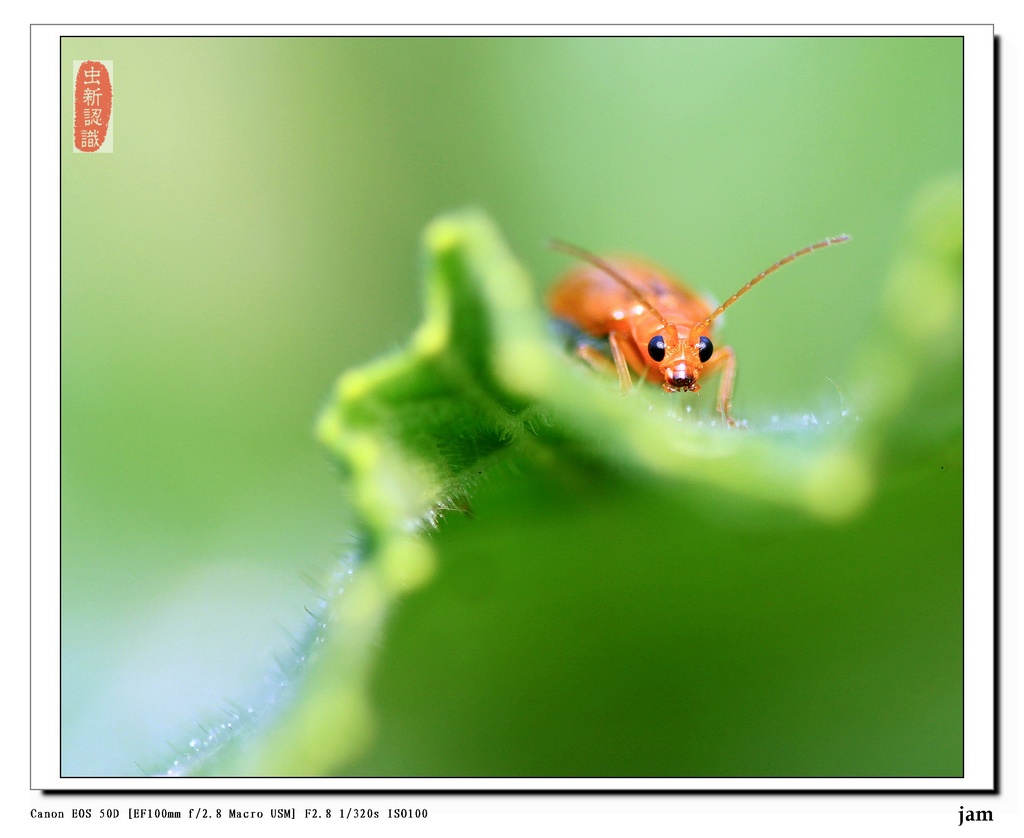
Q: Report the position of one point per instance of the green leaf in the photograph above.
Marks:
(482, 390)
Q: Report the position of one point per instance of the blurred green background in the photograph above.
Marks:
(256, 231)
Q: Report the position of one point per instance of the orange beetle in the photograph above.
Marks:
(654, 323)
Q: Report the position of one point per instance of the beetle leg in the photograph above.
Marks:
(599, 361)
(594, 357)
(726, 359)
(620, 363)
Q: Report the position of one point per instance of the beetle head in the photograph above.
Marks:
(680, 362)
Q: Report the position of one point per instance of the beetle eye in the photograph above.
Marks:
(656, 348)
(705, 349)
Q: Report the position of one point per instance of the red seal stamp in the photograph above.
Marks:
(94, 106)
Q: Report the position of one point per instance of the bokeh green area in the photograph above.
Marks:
(256, 231)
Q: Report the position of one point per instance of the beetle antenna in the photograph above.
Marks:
(792, 256)
(601, 264)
